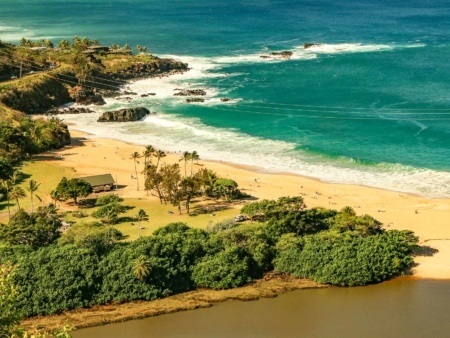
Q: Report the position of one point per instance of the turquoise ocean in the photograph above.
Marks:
(370, 105)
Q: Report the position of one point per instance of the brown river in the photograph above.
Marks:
(400, 308)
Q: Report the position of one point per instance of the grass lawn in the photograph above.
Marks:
(160, 215)
(203, 211)
(45, 174)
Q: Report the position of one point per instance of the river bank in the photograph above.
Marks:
(269, 287)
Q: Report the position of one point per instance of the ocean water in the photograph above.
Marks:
(370, 105)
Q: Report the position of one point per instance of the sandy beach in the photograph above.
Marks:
(428, 218)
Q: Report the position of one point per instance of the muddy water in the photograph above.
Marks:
(400, 308)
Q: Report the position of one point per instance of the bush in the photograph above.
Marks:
(223, 225)
(108, 199)
(346, 259)
(93, 236)
(227, 269)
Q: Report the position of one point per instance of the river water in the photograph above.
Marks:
(400, 308)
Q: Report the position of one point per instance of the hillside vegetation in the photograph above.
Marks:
(37, 76)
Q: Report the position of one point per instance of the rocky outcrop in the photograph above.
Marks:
(309, 45)
(70, 110)
(85, 96)
(124, 115)
(155, 67)
(195, 99)
(189, 92)
(286, 54)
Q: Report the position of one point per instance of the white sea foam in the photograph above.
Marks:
(341, 48)
(176, 133)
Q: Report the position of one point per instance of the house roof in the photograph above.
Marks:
(98, 180)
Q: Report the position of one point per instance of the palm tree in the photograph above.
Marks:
(33, 186)
(141, 268)
(148, 152)
(141, 216)
(194, 156)
(186, 157)
(135, 156)
(159, 154)
(6, 184)
(17, 193)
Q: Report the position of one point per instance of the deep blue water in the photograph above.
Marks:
(371, 105)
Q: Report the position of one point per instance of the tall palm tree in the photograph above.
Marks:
(17, 193)
(6, 184)
(141, 268)
(33, 186)
(141, 216)
(148, 152)
(186, 157)
(135, 157)
(159, 154)
(194, 157)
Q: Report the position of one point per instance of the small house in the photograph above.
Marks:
(100, 182)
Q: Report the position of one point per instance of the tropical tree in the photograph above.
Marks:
(159, 154)
(141, 49)
(73, 188)
(17, 193)
(141, 268)
(9, 312)
(64, 44)
(134, 157)
(6, 185)
(32, 187)
(190, 187)
(153, 181)
(148, 152)
(186, 157)
(194, 157)
(141, 216)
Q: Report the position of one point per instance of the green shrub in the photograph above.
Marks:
(108, 199)
(227, 269)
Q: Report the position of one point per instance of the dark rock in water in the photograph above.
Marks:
(189, 92)
(148, 94)
(126, 92)
(309, 45)
(195, 99)
(124, 115)
(284, 54)
(225, 99)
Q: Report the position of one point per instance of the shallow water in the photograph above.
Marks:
(399, 308)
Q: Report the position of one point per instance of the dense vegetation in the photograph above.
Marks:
(89, 265)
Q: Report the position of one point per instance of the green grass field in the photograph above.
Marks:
(203, 211)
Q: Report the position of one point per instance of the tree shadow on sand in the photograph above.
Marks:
(425, 250)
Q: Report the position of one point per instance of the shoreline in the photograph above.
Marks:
(425, 216)
(270, 286)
